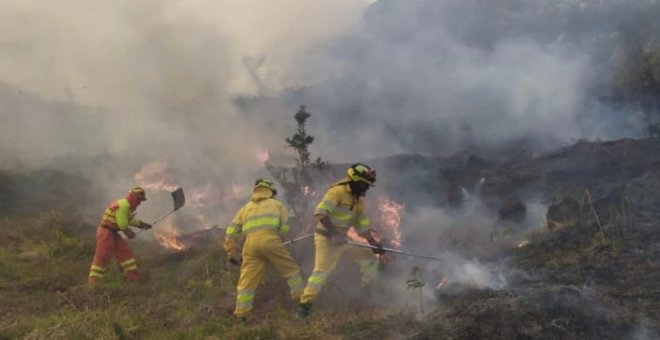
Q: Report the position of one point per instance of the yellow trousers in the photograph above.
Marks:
(261, 248)
(325, 260)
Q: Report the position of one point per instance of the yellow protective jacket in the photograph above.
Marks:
(119, 215)
(343, 208)
(262, 213)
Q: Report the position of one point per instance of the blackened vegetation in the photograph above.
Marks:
(594, 273)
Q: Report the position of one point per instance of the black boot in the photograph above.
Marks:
(304, 310)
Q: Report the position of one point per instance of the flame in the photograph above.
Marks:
(388, 225)
(156, 176)
(442, 283)
(206, 204)
(390, 219)
(169, 238)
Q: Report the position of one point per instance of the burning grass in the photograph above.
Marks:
(573, 285)
(168, 237)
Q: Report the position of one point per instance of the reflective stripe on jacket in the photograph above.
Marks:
(343, 208)
(120, 215)
(262, 213)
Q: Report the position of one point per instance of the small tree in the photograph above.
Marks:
(301, 140)
(415, 282)
(297, 181)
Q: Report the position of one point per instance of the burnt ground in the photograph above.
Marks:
(575, 286)
(596, 276)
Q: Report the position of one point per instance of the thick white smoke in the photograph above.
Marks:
(207, 85)
(486, 77)
(165, 78)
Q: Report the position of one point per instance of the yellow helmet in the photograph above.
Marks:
(359, 172)
(139, 193)
(265, 183)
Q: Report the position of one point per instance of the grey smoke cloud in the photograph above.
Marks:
(446, 76)
(210, 82)
(154, 78)
(209, 85)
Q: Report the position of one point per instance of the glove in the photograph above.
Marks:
(379, 250)
(129, 233)
(379, 247)
(144, 225)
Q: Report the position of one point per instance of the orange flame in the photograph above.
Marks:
(156, 176)
(170, 239)
(203, 201)
(390, 219)
(387, 226)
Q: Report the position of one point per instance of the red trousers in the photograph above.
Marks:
(108, 245)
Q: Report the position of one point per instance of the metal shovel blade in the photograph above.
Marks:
(179, 198)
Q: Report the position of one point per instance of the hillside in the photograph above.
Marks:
(593, 276)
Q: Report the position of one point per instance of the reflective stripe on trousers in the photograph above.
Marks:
(129, 265)
(244, 300)
(97, 271)
(108, 245)
(261, 249)
(317, 280)
(326, 257)
(296, 285)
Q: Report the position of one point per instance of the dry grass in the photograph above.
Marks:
(43, 294)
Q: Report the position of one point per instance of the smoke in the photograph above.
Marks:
(486, 77)
(153, 78)
(209, 83)
(206, 86)
(103, 89)
(472, 240)
(165, 78)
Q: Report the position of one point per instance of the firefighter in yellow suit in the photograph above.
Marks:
(342, 207)
(262, 222)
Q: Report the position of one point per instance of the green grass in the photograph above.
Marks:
(44, 261)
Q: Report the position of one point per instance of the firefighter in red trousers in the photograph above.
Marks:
(118, 216)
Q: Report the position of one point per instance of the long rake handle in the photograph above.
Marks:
(158, 220)
(395, 251)
(297, 239)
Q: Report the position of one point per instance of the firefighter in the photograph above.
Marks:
(118, 216)
(263, 220)
(342, 207)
